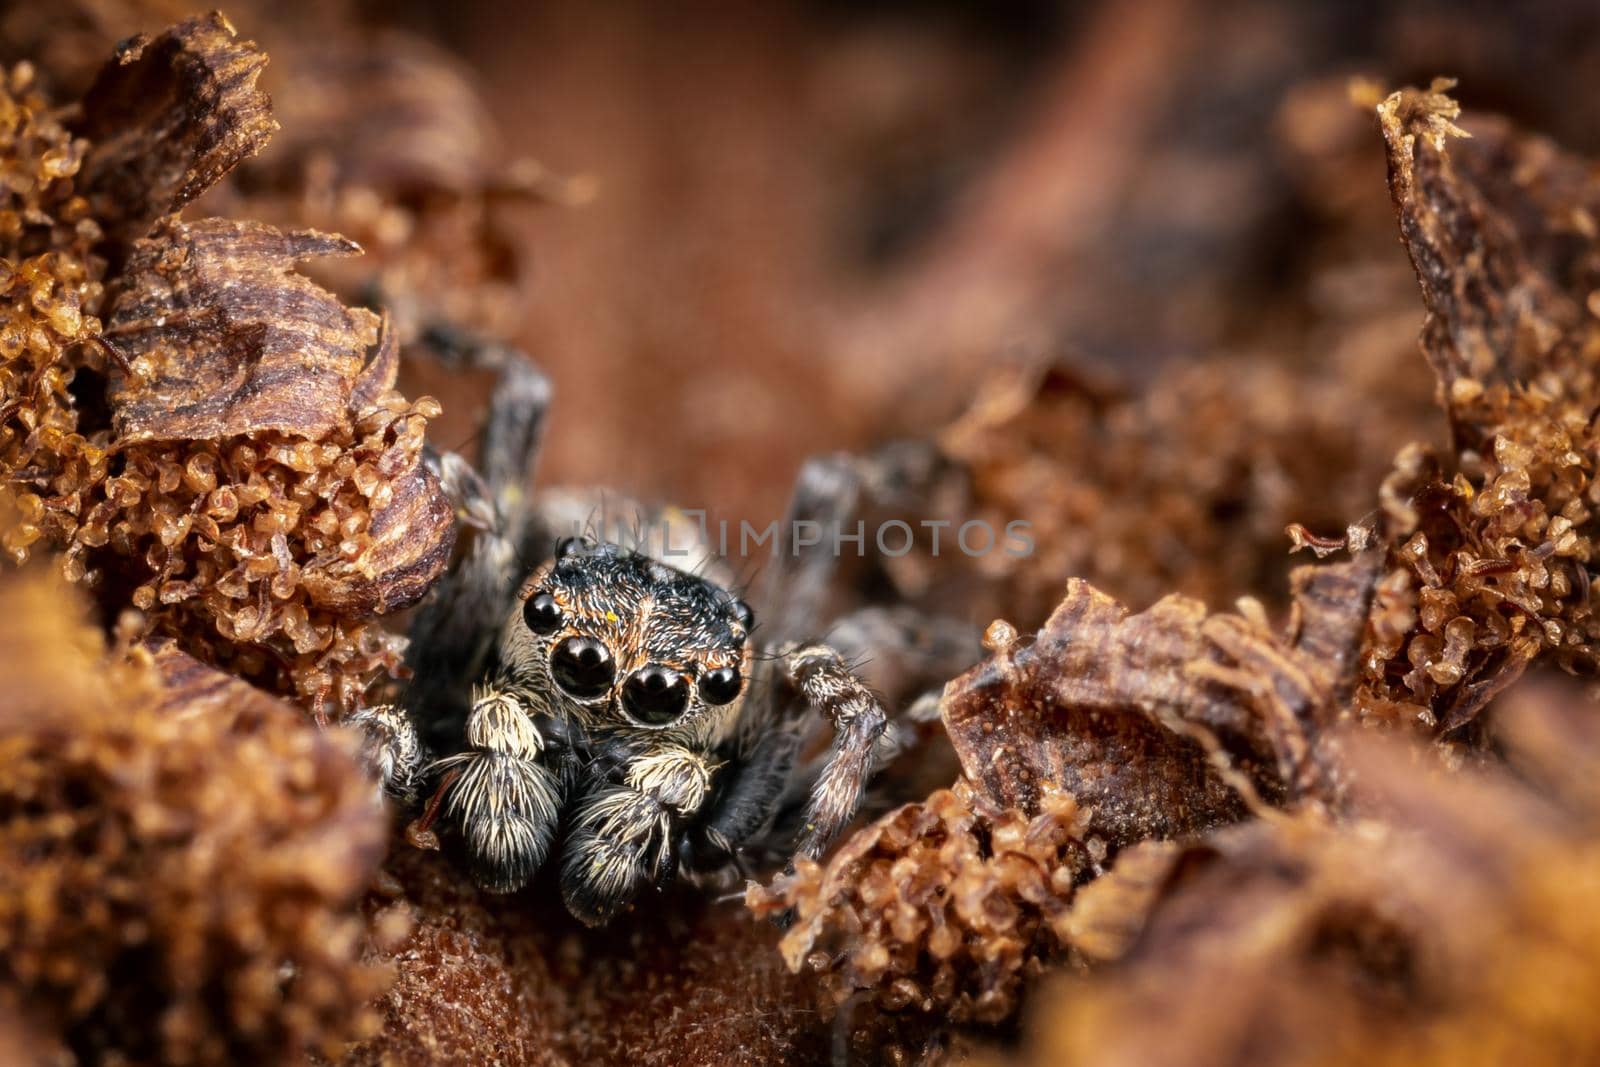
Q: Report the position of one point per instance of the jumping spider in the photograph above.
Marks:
(614, 710)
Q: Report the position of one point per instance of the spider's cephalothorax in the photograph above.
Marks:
(610, 711)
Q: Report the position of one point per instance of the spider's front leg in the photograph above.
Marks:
(500, 793)
(828, 685)
(621, 837)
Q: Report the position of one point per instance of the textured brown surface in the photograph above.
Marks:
(1218, 235)
(1449, 926)
(250, 479)
(167, 118)
(226, 339)
(944, 909)
(182, 858)
(1490, 544)
(515, 980)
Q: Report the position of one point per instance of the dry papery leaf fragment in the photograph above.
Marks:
(180, 857)
(258, 490)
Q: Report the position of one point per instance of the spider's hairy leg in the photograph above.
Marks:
(506, 802)
(621, 836)
(453, 632)
(828, 685)
(826, 493)
(391, 749)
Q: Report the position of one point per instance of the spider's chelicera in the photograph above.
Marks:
(609, 712)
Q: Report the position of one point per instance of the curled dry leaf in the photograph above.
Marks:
(167, 118)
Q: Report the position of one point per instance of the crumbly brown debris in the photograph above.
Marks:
(180, 857)
(1451, 924)
(1168, 722)
(1183, 486)
(946, 907)
(51, 293)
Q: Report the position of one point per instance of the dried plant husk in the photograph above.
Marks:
(182, 857)
(945, 907)
(1105, 730)
(166, 119)
(253, 483)
(1490, 544)
(1447, 924)
(224, 339)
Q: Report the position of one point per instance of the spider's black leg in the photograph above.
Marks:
(750, 795)
(905, 657)
(794, 590)
(453, 633)
(795, 586)
(902, 653)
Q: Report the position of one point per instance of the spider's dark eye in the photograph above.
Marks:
(742, 612)
(542, 613)
(721, 685)
(583, 667)
(655, 696)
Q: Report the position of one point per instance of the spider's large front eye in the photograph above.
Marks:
(583, 667)
(542, 613)
(721, 685)
(655, 696)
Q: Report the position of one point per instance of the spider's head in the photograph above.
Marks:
(616, 639)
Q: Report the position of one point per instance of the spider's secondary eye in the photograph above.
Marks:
(742, 612)
(655, 696)
(583, 667)
(542, 613)
(721, 685)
